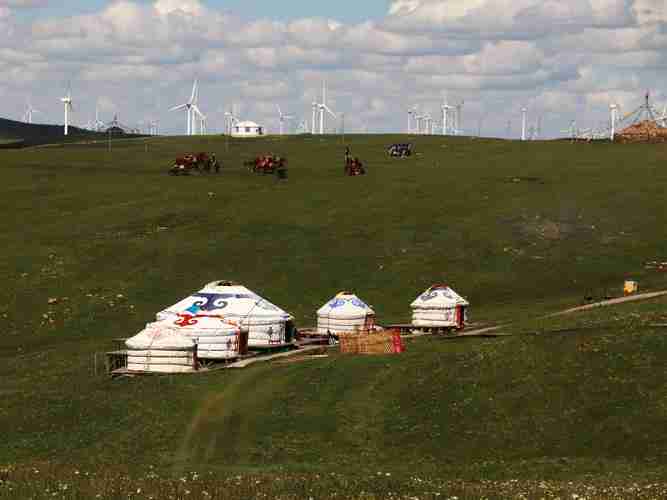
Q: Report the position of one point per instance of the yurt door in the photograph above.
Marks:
(459, 316)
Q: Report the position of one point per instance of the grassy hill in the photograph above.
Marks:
(518, 229)
(15, 134)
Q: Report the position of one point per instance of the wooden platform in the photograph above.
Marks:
(117, 360)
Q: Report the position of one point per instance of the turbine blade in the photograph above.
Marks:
(197, 111)
(193, 97)
(181, 106)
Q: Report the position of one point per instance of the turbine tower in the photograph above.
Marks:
(613, 108)
(323, 108)
(523, 123)
(67, 101)
(282, 118)
(313, 123)
(458, 118)
(445, 110)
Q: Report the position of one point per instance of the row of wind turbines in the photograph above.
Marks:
(418, 122)
(96, 125)
(424, 123)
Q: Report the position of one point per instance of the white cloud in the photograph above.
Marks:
(558, 56)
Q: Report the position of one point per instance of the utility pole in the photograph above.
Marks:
(342, 126)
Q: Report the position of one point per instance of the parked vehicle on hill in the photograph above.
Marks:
(354, 166)
(400, 150)
(195, 163)
(267, 164)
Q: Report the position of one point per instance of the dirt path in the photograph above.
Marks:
(492, 330)
(610, 302)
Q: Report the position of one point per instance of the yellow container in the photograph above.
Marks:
(630, 287)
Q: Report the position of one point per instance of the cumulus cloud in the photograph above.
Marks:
(558, 57)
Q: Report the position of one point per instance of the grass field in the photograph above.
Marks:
(518, 229)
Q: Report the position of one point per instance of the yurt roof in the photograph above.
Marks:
(226, 298)
(439, 296)
(345, 304)
(247, 123)
(159, 336)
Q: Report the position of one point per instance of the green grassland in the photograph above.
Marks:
(518, 229)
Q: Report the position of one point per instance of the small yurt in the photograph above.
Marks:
(247, 129)
(345, 313)
(160, 349)
(215, 338)
(439, 307)
(266, 323)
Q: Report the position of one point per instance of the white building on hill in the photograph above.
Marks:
(247, 129)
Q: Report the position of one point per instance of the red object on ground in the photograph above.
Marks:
(397, 342)
(459, 316)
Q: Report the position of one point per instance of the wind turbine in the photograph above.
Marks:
(27, 117)
(419, 121)
(445, 110)
(230, 120)
(67, 101)
(524, 111)
(324, 108)
(411, 114)
(428, 124)
(188, 108)
(283, 118)
(572, 130)
(98, 124)
(613, 109)
(663, 118)
(458, 118)
(198, 116)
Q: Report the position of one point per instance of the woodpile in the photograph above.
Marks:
(645, 131)
(371, 342)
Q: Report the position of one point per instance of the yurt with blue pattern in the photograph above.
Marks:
(345, 313)
(439, 307)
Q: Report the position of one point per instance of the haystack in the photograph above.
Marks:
(645, 131)
(439, 307)
(345, 313)
(237, 305)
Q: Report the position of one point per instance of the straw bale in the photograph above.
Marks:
(645, 131)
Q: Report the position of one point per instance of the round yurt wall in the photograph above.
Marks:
(160, 349)
(345, 313)
(216, 338)
(439, 307)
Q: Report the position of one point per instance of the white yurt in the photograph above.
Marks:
(345, 313)
(439, 307)
(266, 323)
(215, 338)
(247, 129)
(158, 348)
